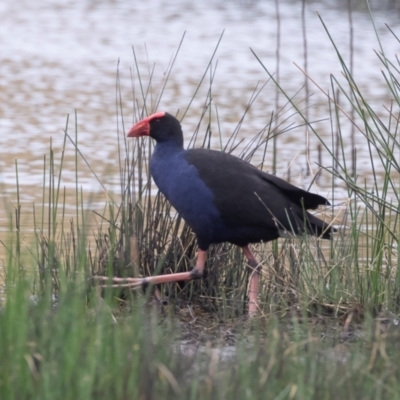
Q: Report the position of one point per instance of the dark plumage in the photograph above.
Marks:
(223, 198)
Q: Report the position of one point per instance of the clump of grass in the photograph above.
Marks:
(364, 264)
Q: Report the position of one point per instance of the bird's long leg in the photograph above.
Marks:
(135, 283)
(255, 268)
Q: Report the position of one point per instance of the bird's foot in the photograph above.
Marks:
(130, 283)
(116, 282)
(137, 283)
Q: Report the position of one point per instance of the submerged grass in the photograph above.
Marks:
(327, 325)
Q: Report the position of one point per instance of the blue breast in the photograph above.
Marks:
(182, 186)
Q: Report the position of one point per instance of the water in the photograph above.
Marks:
(58, 57)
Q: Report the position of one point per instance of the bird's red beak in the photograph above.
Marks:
(142, 128)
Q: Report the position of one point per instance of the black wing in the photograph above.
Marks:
(246, 196)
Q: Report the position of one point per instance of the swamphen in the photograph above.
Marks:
(224, 199)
